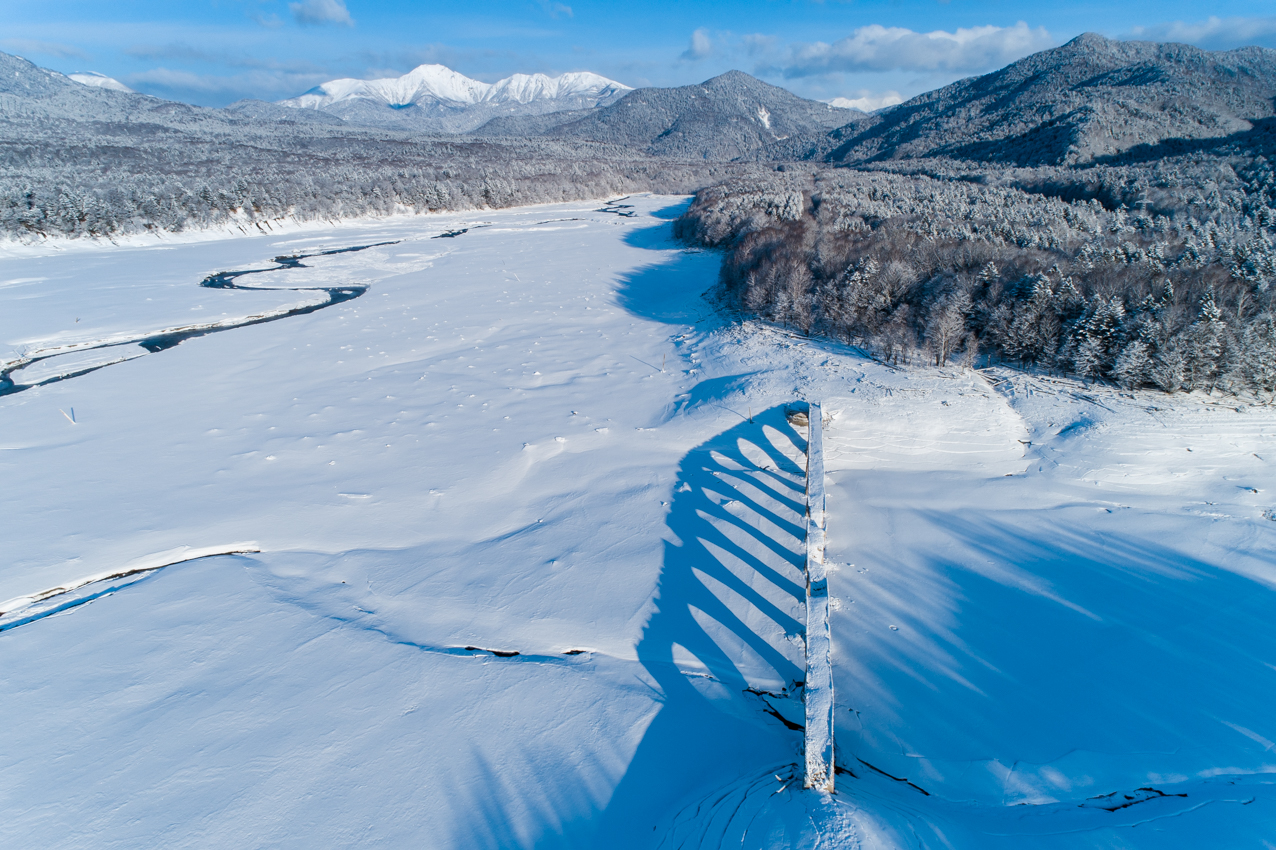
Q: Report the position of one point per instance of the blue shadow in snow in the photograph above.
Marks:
(1058, 638)
(1158, 647)
(673, 291)
(654, 237)
(729, 565)
(672, 211)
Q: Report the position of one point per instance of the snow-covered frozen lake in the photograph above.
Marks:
(518, 537)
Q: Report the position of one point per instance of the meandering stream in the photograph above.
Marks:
(59, 364)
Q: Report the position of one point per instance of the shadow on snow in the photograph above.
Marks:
(729, 600)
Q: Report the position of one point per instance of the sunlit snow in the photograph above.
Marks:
(528, 521)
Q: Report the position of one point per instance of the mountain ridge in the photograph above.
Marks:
(1090, 98)
(728, 117)
(434, 97)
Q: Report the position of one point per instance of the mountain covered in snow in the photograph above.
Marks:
(1085, 100)
(731, 117)
(436, 98)
(42, 109)
(101, 81)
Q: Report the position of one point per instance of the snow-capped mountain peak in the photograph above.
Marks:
(525, 88)
(423, 82)
(101, 81)
(434, 98)
(437, 83)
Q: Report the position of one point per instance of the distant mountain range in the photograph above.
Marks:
(1090, 100)
(1120, 122)
(434, 98)
(35, 100)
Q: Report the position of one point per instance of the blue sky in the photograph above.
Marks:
(217, 51)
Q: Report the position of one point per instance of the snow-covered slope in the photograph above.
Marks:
(732, 116)
(1090, 99)
(101, 81)
(436, 97)
(519, 536)
(424, 83)
(866, 102)
(1052, 611)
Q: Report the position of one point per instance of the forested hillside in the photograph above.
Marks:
(81, 161)
(1103, 208)
(730, 117)
(1178, 296)
(1089, 100)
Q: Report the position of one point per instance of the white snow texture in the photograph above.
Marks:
(531, 524)
(101, 81)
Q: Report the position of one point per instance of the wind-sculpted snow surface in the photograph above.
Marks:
(54, 600)
(531, 528)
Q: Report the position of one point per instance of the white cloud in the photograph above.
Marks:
(321, 12)
(165, 78)
(1213, 32)
(556, 9)
(266, 84)
(25, 46)
(757, 44)
(177, 50)
(867, 101)
(270, 22)
(879, 48)
(186, 54)
(701, 46)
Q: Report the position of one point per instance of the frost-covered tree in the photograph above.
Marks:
(946, 327)
(1156, 286)
(1098, 338)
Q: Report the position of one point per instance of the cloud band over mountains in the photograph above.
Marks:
(1214, 33)
(879, 48)
(321, 12)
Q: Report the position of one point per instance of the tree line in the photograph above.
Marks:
(107, 183)
(1178, 294)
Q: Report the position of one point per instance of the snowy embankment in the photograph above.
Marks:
(1054, 612)
(531, 522)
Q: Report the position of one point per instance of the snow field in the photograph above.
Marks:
(532, 526)
(515, 589)
(1047, 620)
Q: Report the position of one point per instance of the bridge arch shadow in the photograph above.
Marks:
(724, 646)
